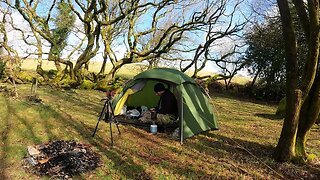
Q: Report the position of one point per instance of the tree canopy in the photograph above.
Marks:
(74, 33)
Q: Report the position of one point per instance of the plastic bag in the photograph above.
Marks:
(133, 113)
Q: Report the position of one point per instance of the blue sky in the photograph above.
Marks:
(145, 22)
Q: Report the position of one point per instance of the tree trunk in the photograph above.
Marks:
(86, 55)
(113, 71)
(58, 66)
(285, 150)
(71, 73)
(308, 94)
(54, 58)
(41, 72)
(39, 69)
(12, 76)
(78, 73)
(255, 78)
(86, 66)
(103, 66)
(309, 115)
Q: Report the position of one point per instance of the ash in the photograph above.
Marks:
(61, 159)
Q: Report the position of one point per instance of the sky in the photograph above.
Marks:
(15, 38)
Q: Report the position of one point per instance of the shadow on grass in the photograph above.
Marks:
(125, 157)
(212, 154)
(234, 145)
(223, 147)
(62, 120)
(6, 126)
(79, 100)
(11, 126)
(164, 153)
(126, 168)
(269, 116)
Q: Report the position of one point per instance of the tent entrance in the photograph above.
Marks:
(142, 94)
(144, 97)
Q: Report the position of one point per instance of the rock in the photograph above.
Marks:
(33, 151)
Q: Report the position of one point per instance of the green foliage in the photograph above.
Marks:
(87, 84)
(268, 92)
(266, 53)
(64, 23)
(311, 157)
(267, 58)
(2, 68)
(117, 83)
(65, 17)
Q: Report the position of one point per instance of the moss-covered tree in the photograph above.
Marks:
(302, 106)
(11, 59)
(51, 27)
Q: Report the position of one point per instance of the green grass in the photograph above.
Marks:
(241, 149)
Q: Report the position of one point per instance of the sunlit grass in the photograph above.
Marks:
(240, 149)
(127, 71)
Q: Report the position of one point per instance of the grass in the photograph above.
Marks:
(241, 149)
(94, 66)
(127, 71)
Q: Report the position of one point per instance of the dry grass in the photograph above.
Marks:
(241, 149)
(94, 66)
(127, 71)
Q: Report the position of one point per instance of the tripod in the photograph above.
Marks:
(107, 115)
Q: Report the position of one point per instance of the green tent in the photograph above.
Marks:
(195, 112)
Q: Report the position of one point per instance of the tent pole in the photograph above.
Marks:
(181, 118)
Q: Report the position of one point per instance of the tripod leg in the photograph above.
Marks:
(111, 137)
(102, 113)
(95, 130)
(118, 128)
